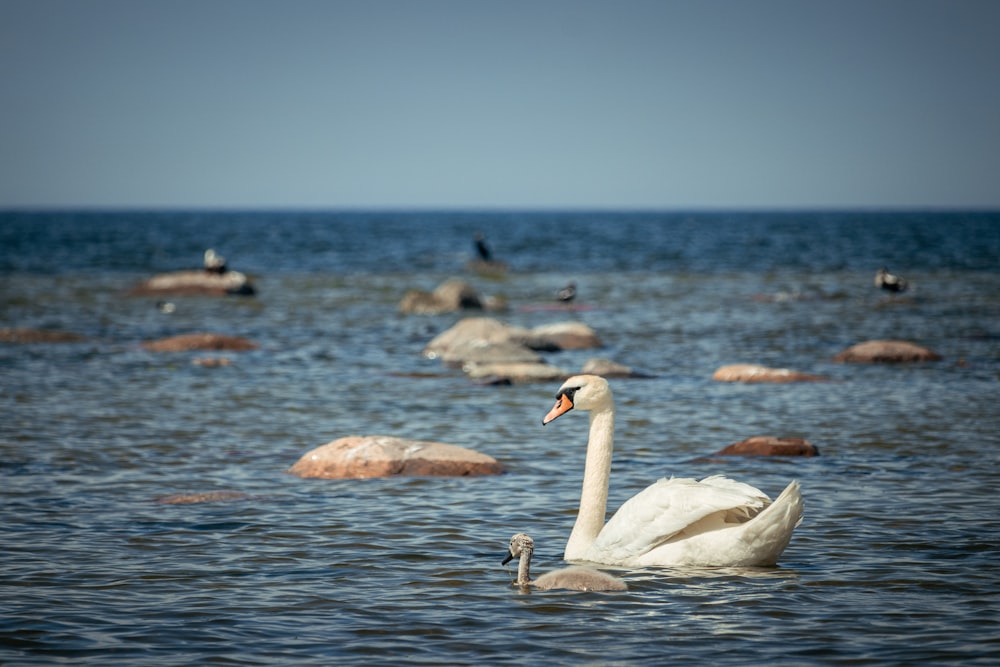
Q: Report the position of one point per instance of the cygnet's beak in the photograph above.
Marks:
(508, 559)
(563, 405)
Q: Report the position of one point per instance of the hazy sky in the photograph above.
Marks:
(465, 103)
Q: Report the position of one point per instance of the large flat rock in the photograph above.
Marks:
(387, 456)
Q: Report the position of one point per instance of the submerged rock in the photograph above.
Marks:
(387, 456)
(754, 373)
(767, 445)
(886, 352)
(28, 336)
(200, 341)
(610, 369)
(203, 497)
(514, 373)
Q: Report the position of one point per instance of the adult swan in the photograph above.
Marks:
(714, 522)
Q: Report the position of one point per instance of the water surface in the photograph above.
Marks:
(895, 561)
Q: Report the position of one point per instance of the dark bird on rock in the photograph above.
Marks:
(482, 248)
(567, 294)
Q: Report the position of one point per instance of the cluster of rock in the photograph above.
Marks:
(869, 352)
(491, 351)
(450, 296)
(486, 349)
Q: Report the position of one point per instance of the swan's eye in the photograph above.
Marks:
(568, 392)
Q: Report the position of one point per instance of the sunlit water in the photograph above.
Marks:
(896, 560)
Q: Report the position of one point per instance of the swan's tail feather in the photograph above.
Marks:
(769, 532)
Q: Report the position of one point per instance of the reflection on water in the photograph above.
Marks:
(893, 563)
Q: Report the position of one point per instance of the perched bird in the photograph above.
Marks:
(214, 262)
(713, 522)
(567, 294)
(482, 248)
(576, 578)
(889, 281)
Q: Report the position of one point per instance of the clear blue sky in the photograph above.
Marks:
(510, 103)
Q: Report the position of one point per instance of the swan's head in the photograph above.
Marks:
(519, 543)
(583, 392)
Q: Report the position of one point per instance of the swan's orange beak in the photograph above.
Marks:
(563, 405)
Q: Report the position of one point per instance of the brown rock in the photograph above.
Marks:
(754, 373)
(767, 445)
(386, 456)
(200, 341)
(26, 336)
(886, 352)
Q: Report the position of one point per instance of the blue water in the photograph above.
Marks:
(895, 561)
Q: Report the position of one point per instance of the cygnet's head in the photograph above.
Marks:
(519, 543)
(584, 392)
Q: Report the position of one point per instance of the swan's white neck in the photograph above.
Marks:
(596, 474)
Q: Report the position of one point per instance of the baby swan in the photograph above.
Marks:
(577, 578)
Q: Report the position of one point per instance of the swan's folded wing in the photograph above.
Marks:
(666, 508)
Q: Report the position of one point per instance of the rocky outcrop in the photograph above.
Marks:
(200, 341)
(28, 336)
(448, 297)
(474, 337)
(195, 282)
(754, 373)
(886, 352)
(767, 445)
(386, 456)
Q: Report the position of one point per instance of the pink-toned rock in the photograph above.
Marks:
(386, 456)
(200, 341)
(768, 445)
(886, 352)
(754, 373)
(195, 282)
(27, 336)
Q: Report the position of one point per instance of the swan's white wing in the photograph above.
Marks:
(670, 506)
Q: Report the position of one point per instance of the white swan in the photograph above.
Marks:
(576, 578)
(714, 522)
